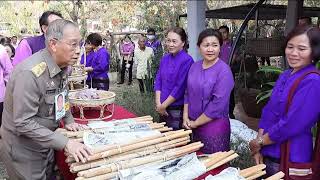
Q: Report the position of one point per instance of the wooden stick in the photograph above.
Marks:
(127, 148)
(79, 134)
(102, 149)
(252, 170)
(117, 158)
(258, 174)
(75, 167)
(165, 129)
(213, 160)
(223, 161)
(276, 176)
(173, 153)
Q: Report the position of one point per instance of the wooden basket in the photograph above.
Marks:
(265, 47)
(105, 102)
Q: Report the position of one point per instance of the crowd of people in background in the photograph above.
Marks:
(191, 94)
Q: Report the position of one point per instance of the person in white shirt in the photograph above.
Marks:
(143, 58)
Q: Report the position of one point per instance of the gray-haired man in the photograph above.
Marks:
(31, 116)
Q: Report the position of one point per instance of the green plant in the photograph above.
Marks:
(267, 75)
(139, 103)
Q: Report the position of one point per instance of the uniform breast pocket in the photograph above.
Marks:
(49, 105)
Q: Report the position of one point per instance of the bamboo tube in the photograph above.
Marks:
(276, 176)
(81, 167)
(173, 153)
(75, 167)
(258, 174)
(110, 147)
(101, 177)
(112, 175)
(165, 129)
(127, 148)
(79, 134)
(215, 159)
(223, 161)
(252, 170)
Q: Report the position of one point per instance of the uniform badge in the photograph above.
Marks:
(52, 84)
(38, 69)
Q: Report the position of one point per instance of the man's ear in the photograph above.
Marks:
(52, 45)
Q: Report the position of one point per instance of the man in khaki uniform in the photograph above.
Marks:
(30, 117)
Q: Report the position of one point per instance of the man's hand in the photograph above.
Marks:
(76, 127)
(79, 151)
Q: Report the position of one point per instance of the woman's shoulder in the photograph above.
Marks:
(197, 65)
(187, 57)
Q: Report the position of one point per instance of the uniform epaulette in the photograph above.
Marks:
(39, 69)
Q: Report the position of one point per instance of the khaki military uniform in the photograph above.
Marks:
(28, 122)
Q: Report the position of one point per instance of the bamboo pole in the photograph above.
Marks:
(127, 148)
(118, 158)
(79, 134)
(165, 129)
(98, 152)
(215, 159)
(252, 170)
(276, 176)
(173, 153)
(258, 174)
(75, 167)
(223, 161)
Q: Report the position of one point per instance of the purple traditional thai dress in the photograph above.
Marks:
(99, 61)
(296, 125)
(27, 47)
(171, 79)
(208, 92)
(225, 51)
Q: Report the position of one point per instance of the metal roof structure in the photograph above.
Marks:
(266, 12)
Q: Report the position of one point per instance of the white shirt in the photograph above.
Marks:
(141, 58)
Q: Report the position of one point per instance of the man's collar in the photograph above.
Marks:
(53, 68)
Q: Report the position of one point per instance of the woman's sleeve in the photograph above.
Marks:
(303, 112)
(101, 62)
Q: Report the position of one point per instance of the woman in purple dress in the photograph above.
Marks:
(97, 63)
(277, 125)
(170, 82)
(206, 105)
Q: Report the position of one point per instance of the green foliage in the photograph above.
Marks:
(160, 14)
(140, 104)
(268, 75)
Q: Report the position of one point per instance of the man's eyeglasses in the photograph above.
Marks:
(73, 45)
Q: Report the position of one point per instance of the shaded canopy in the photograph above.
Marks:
(266, 12)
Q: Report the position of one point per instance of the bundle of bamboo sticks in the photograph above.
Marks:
(253, 172)
(106, 161)
(78, 135)
(219, 158)
(277, 176)
(107, 151)
(103, 171)
(258, 171)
